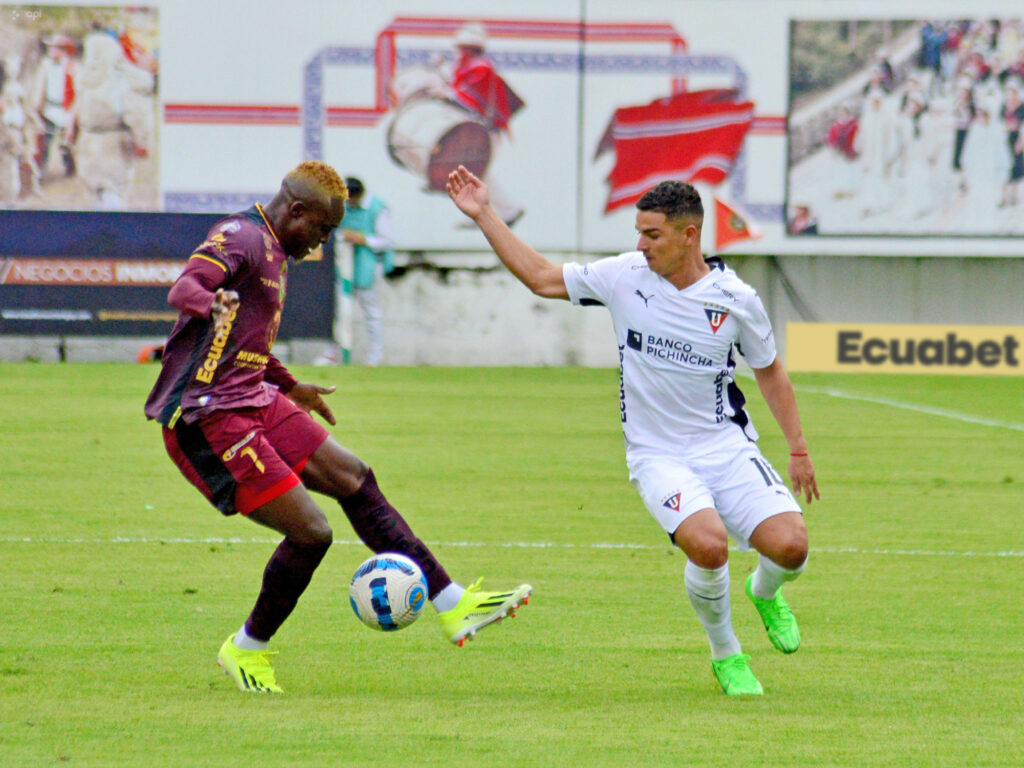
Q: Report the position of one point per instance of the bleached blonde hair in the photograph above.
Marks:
(319, 177)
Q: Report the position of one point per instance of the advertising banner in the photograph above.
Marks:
(844, 127)
(78, 273)
(881, 348)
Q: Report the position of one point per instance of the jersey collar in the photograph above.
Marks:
(267, 222)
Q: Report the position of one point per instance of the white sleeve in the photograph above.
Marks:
(756, 337)
(593, 283)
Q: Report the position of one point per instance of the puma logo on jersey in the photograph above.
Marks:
(645, 298)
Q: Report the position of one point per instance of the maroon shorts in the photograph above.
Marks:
(241, 459)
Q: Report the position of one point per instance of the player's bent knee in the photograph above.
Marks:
(711, 557)
(347, 480)
(702, 536)
(313, 538)
(334, 471)
(790, 552)
(703, 548)
(312, 528)
(792, 558)
(298, 517)
(782, 539)
(320, 535)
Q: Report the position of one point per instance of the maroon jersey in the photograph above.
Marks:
(203, 370)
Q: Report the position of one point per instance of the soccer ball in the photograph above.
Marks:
(388, 592)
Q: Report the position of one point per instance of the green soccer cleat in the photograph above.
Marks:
(780, 622)
(734, 675)
(477, 609)
(250, 670)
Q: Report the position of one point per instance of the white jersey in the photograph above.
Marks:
(676, 347)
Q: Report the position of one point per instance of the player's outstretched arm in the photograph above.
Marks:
(777, 390)
(471, 196)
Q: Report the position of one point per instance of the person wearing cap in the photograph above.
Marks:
(56, 99)
(478, 87)
(477, 84)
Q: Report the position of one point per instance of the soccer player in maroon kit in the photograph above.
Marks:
(238, 425)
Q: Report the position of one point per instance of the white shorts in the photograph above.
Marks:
(724, 471)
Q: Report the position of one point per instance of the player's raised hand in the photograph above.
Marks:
(307, 397)
(224, 303)
(469, 194)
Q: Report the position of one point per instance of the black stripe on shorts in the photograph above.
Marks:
(208, 465)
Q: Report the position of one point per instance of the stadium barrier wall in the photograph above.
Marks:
(465, 309)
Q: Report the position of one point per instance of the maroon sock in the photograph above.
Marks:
(383, 529)
(285, 578)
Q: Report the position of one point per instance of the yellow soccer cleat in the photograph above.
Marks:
(250, 670)
(477, 609)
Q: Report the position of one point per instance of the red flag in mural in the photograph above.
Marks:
(692, 137)
(732, 225)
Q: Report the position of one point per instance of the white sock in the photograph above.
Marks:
(709, 595)
(770, 576)
(247, 643)
(448, 597)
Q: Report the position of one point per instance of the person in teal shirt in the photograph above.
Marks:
(367, 227)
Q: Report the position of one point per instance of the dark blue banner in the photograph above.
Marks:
(107, 274)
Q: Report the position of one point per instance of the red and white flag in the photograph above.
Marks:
(692, 137)
(733, 224)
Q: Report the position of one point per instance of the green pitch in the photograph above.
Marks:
(120, 583)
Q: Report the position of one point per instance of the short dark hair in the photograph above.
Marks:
(675, 199)
(355, 186)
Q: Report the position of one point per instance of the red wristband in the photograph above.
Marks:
(798, 454)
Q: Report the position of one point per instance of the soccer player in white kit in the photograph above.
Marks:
(690, 447)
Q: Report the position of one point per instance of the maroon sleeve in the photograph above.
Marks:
(277, 374)
(193, 291)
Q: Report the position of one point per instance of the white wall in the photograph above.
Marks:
(465, 309)
(480, 315)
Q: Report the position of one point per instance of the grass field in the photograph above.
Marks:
(119, 584)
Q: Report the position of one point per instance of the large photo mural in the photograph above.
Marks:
(906, 127)
(79, 117)
(839, 128)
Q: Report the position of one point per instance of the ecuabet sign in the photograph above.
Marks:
(882, 348)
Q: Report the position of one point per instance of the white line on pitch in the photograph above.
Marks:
(912, 407)
(508, 544)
